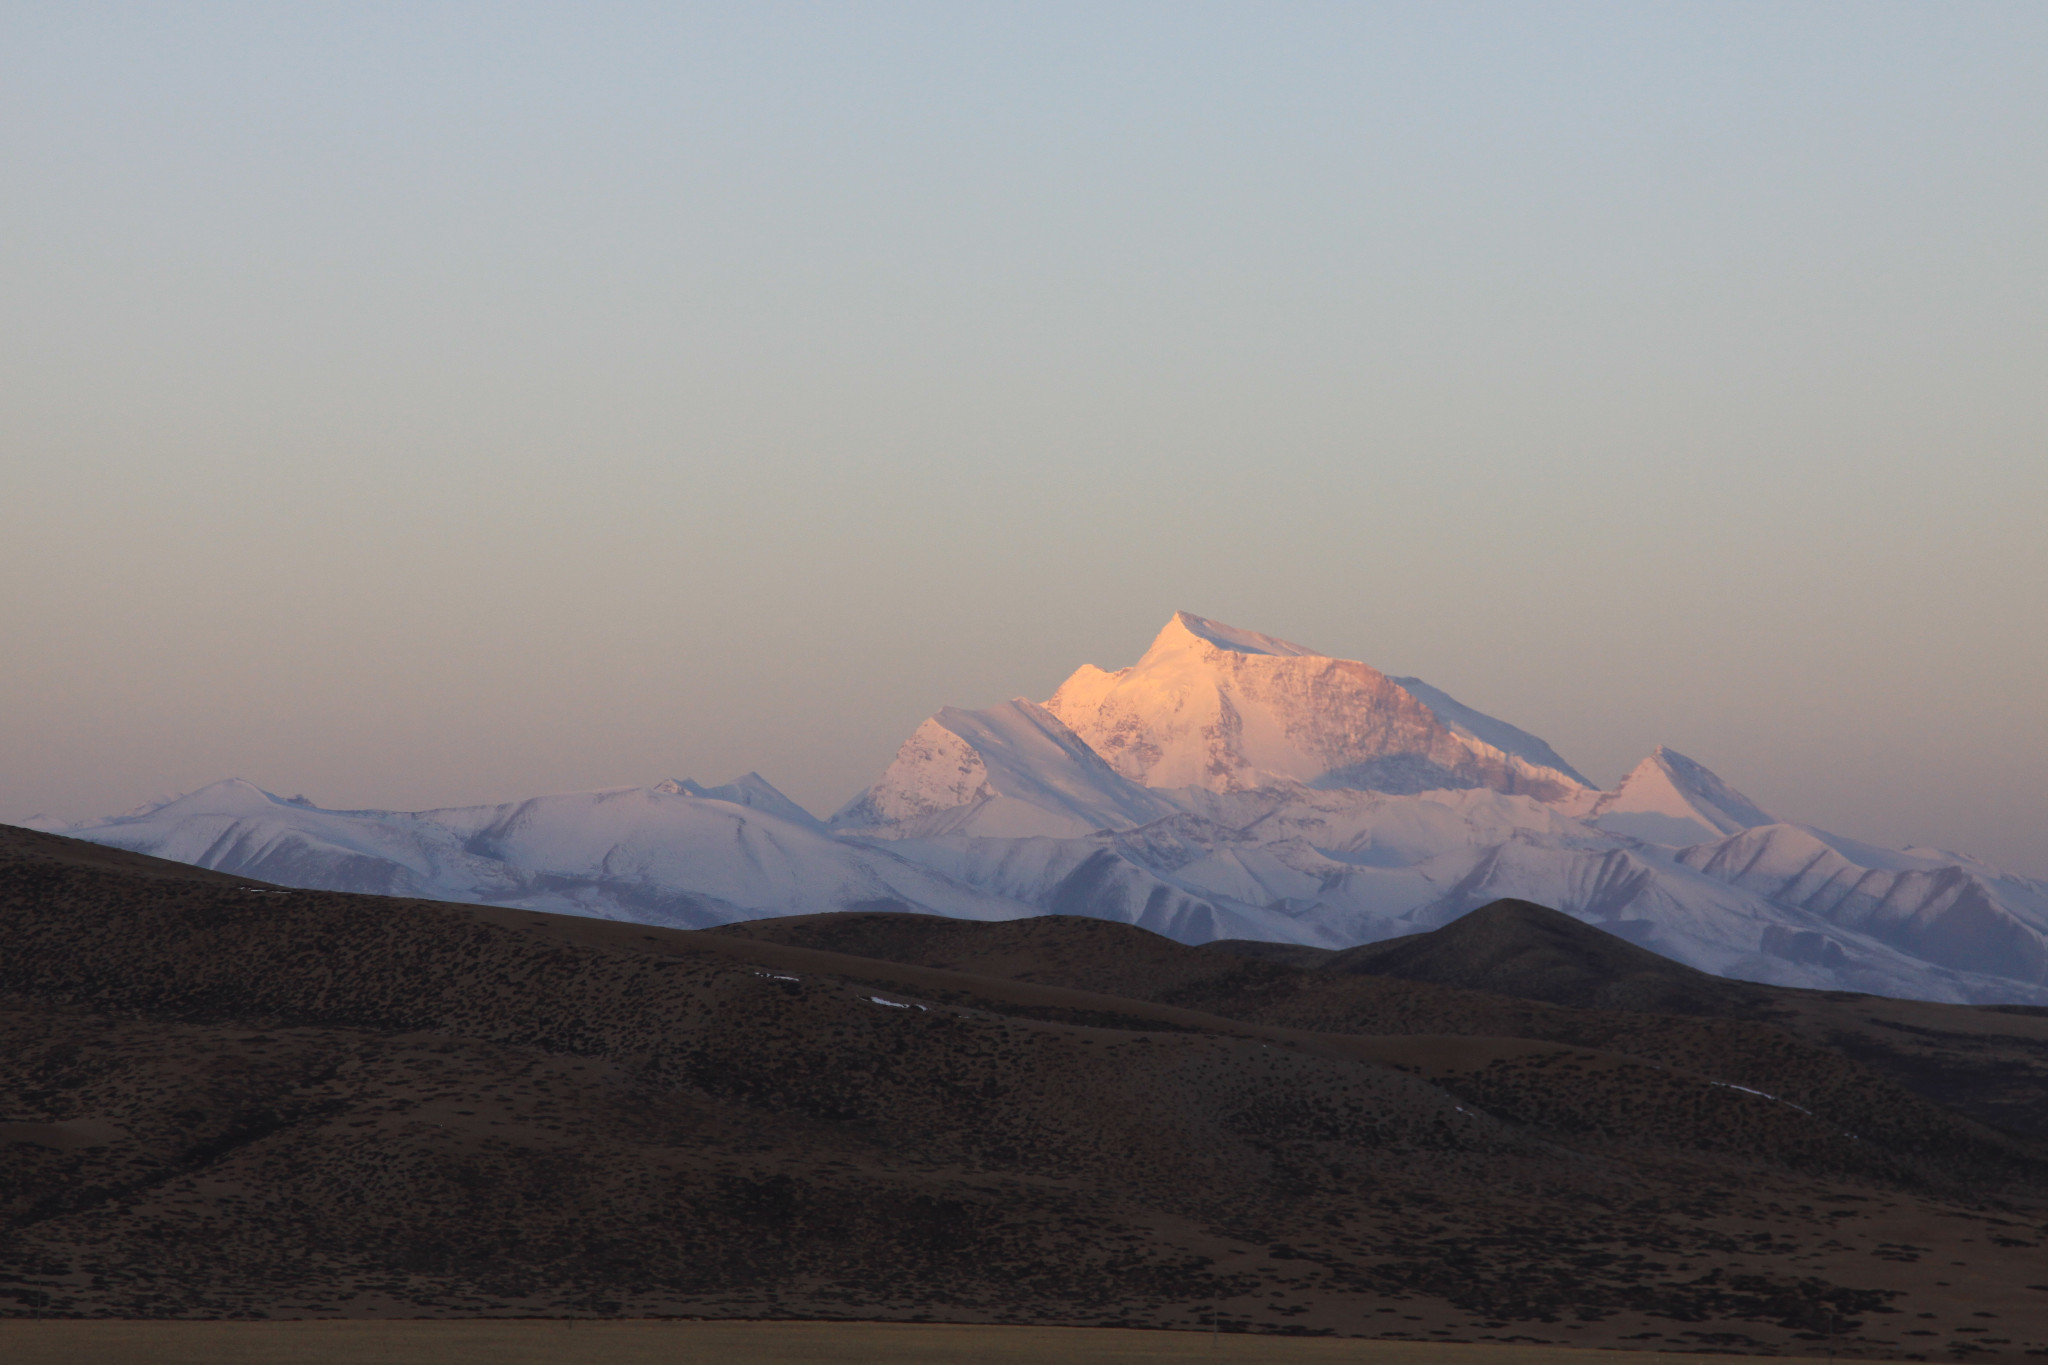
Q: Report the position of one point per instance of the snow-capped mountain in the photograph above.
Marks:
(1010, 770)
(1227, 785)
(752, 790)
(1669, 799)
(659, 854)
(1212, 706)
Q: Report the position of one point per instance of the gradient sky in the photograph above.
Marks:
(409, 405)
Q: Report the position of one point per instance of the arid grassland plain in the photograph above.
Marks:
(729, 1343)
(230, 1101)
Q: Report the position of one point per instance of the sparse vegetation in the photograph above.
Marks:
(324, 1106)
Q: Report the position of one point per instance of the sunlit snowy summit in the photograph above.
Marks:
(1226, 785)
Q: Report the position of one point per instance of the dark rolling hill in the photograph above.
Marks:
(1516, 948)
(221, 1098)
(1509, 968)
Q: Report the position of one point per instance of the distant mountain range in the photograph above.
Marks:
(1228, 785)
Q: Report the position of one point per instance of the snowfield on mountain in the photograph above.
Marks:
(1227, 785)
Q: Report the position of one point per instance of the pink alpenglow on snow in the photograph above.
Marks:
(1226, 785)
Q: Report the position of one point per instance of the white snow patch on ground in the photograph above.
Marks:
(1730, 1085)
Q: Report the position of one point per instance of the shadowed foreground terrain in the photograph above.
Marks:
(643, 1342)
(219, 1099)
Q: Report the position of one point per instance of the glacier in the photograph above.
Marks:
(1228, 784)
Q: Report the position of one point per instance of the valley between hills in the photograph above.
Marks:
(221, 1099)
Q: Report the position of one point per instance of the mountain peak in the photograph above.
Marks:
(1013, 769)
(1216, 706)
(751, 790)
(1671, 799)
(1189, 631)
(230, 795)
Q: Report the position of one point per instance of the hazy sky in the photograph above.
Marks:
(415, 404)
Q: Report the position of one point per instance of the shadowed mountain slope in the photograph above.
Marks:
(221, 1099)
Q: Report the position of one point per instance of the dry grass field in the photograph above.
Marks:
(722, 1343)
(309, 1126)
